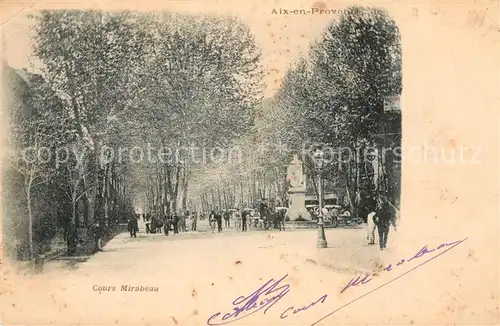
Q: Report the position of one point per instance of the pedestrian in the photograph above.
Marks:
(383, 218)
(194, 220)
(97, 232)
(325, 212)
(187, 220)
(167, 224)
(184, 225)
(371, 226)
(148, 224)
(218, 217)
(237, 219)
(176, 223)
(260, 221)
(226, 219)
(244, 220)
(159, 225)
(281, 219)
(133, 227)
(211, 220)
(335, 215)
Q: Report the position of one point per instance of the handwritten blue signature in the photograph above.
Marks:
(423, 251)
(273, 291)
(264, 297)
(304, 308)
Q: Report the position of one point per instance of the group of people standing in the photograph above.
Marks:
(178, 222)
(241, 219)
(171, 222)
(248, 219)
(380, 217)
(216, 216)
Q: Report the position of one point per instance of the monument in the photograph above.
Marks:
(297, 189)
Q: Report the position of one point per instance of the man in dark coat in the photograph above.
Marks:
(383, 218)
(133, 227)
(97, 231)
(176, 223)
(194, 221)
(167, 224)
(244, 215)
(218, 218)
(226, 218)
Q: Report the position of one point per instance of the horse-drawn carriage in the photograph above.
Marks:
(332, 215)
(154, 225)
(272, 218)
(335, 218)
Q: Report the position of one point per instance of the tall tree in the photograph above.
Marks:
(34, 138)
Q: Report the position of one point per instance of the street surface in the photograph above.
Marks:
(199, 274)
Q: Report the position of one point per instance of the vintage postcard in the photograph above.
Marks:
(250, 162)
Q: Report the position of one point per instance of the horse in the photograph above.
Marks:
(278, 220)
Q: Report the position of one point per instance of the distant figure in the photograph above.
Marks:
(158, 224)
(97, 232)
(218, 218)
(226, 218)
(176, 223)
(371, 207)
(237, 219)
(383, 218)
(182, 221)
(325, 212)
(335, 215)
(260, 221)
(371, 226)
(167, 224)
(282, 219)
(133, 227)
(244, 215)
(211, 220)
(187, 219)
(148, 223)
(194, 220)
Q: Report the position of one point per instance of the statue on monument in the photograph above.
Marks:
(295, 174)
(297, 189)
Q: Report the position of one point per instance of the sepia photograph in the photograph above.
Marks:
(208, 163)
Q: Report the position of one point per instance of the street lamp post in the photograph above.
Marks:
(321, 242)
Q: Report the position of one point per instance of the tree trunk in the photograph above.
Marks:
(242, 197)
(72, 241)
(184, 193)
(91, 195)
(160, 191)
(219, 198)
(105, 192)
(30, 220)
(85, 211)
(176, 189)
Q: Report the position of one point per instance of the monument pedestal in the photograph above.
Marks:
(297, 190)
(297, 200)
